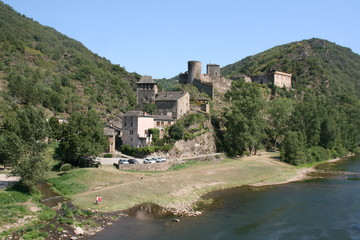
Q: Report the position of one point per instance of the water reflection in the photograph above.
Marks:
(49, 197)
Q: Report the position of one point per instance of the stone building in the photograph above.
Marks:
(161, 122)
(208, 82)
(173, 104)
(113, 130)
(280, 79)
(136, 125)
(146, 90)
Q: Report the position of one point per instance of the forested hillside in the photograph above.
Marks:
(314, 63)
(317, 120)
(40, 66)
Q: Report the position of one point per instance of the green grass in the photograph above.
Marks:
(179, 187)
(68, 183)
(12, 197)
(11, 213)
(184, 165)
(10, 204)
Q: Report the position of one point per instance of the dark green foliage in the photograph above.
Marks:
(143, 151)
(43, 66)
(188, 127)
(293, 150)
(279, 113)
(150, 108)
(244, 119)
(22, 136)
(55, 128)
(318, 154)
(171, 84)
(176, 131)
(108, 155)
(82, 137)
(155, 134)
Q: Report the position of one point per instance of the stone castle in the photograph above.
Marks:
(208, 82)
(212, 80)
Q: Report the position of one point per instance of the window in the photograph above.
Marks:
(125, 124)
(131, 124)
(157, 123)
(131, 132)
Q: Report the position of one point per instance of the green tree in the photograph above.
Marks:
(22, 136)
(176, 131)
(293, 149)
(244, 119)
(155, 134)
(55, 128)
(150, 108)
(278, 112)
(82, 137)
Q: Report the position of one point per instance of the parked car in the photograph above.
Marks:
(160, 159)
(123, 161)
(90, 161)
(133, 161)
(149, 160)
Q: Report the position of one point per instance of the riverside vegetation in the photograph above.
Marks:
(44, 73)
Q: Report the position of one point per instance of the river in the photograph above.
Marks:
(327, 207)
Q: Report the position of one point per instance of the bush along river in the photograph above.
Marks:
(325, 207)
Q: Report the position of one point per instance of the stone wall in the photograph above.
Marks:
(146, 167)
(200, 145)
(205, 87)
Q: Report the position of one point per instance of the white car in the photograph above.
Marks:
(149, 160)
(123, 161)
(160, 159)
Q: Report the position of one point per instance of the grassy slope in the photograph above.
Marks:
(178, 189)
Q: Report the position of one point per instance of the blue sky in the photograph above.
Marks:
(158, 37)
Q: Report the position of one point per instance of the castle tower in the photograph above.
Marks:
(146, 90)
(194, 71)
(213, 71)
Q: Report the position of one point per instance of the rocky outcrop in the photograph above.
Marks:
(200, 145)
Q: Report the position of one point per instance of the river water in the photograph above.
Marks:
(327, 207)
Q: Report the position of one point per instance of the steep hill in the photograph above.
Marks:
(41, 66)
(314, 63)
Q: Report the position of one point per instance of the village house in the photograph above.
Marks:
(161, 122)
(277, 78)
(173, 104)
(136, 125)
(113, 130)
(170, 106)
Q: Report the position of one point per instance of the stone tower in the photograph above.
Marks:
(146, 90)
(213, 71)
(194, 71)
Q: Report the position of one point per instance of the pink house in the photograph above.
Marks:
(136, 126)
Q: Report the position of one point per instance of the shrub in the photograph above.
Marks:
(65, 167)
(317, 154)
(108, 155)
(155, 133)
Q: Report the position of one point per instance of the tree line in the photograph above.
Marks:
(25, 134)
(306, 126)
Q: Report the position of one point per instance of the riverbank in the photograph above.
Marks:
(179, 191)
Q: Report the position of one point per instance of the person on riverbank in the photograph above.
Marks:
(97, 199)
